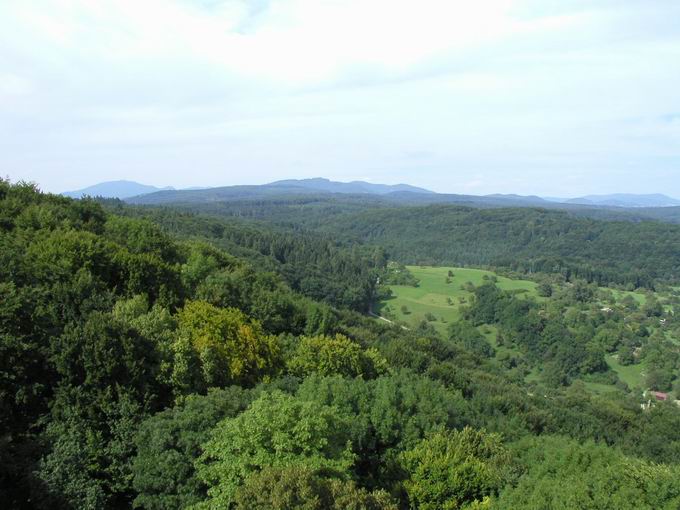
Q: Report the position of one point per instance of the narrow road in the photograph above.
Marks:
(387, 320)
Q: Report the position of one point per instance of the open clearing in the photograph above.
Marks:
(639, 297)
(443, 300)
(632, 375)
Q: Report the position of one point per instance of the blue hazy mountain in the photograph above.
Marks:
(290, 187)
(620, 206)
(115, 189)
(321, 184)
(622, 200)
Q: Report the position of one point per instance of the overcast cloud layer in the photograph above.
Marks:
(533, 97)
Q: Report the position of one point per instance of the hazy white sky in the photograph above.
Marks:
(551, 97)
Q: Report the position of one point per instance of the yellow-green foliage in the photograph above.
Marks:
(327, 355)
(453, 469)
(301, 488)
(220, 346)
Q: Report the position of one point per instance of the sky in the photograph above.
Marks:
(546, 97)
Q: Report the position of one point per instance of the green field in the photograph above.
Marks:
(601, 389)
(637, 296)
(432, 294)
(632, 375)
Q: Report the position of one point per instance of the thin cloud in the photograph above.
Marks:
(527, 93)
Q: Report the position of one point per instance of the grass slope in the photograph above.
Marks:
(632, 375)
(432, 292)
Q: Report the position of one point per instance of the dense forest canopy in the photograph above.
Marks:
(286, 196)
(152, 358)
(314, 264)
(529, 240)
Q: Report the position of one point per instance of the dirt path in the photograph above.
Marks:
(387, 320)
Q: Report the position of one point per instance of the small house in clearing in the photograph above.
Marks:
(658, 395)
(652, 397)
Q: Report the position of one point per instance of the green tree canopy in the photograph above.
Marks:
(169, 443)
(561, 474)
(277, 430)
(216, 347)
(326, 355)
(301, 488)
(451, 469)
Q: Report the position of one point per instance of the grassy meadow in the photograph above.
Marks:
(639, 297)
(435, 296)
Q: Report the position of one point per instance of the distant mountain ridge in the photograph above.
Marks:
(322, 184)
(640, 205)
(623, 200)
(290, 187)
(115, 189)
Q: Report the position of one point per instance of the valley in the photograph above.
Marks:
(339, 255)
(438, 297)
(183, 337)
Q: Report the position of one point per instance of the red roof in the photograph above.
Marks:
(659, 395)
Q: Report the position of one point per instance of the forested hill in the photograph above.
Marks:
(605, 251)
(314, 264)
(140, 368)
(527, 240)
(285, 197)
